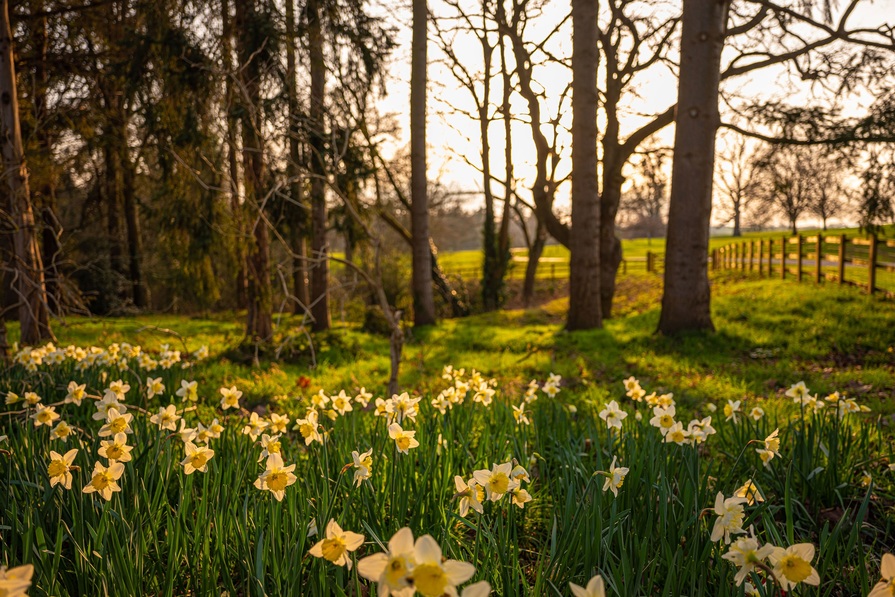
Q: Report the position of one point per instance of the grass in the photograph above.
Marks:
(167, 533)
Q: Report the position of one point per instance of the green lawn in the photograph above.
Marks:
(771, 333)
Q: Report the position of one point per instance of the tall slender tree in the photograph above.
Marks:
(319, 295)
(251, 45)
(423, 297)
(584, 234)
(686, 298)
(26, 262)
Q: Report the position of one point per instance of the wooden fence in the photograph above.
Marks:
(866, 262)
(556, 269)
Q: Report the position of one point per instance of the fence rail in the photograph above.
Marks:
(557, 268)
(865, 262)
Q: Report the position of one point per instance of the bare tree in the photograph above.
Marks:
(788, 182)
(736, 184)
(645, 202)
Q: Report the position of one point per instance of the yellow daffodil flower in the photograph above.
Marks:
(337, 544)
(59, 469)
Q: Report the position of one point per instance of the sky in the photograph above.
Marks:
(453, 138)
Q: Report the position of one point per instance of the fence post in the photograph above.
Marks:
(819, 258)
(760, 257)
(842, 241)
(649, 262)
(799, 242)
(783, 258)
(751, 255)
(871, 265)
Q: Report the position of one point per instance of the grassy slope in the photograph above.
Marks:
(770, 335)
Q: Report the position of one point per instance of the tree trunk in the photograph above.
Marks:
(503, 238)
(793, 226)
(490, 284)
(319, 249)
(259, 321)
(534, 257)
(296, 210)
(46, 201)
(736, 221)
(233, 152)
(131, 218)
(423, 298)
(32, 294)
(584, 236)
(686, 298)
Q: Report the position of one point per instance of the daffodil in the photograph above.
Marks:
(45, 415)
(434, 577)
(479, 589)
(196, 459)
(363, 397)
(677, 434)
(230, 397)
(471, 495)
(116, 423)
(278, 423)
(745, 553)
(402, 406)
(749, 491)
(793, 565)
(341, 403)
(276, 477)
(189, 390)
(886, 586)
(731, 409)
(62, 431)
(154, 387)
(319, 400)
(308, 428)
(615, 478)
(700, 430)
(363, 465)
(613, 415)
(497, 481)
(337, 544)
(187, 434)
(119, 388)
(730, 517)
(76, 393)
(32, 398)
(166, 418)
(215, 429)
(594, 588)
(663, 418)
(270, 444)
(116, 449)
(404, 440)
(391, 569)
(255, 426)
(12, 398)
(104, 479)
(59, 469)
(519, 473)
(756, 413)
(14, 582)
(797, 392)
(520, 497)
(665, 400)
(520, 415)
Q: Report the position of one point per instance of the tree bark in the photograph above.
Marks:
(233, 152)
(584, 236)
(531, 268)
(319, 292)
(27, 264)
(139, 292)
(686, 299)
(259, 320)
(296, 210)
(490, 283)
(423, 298)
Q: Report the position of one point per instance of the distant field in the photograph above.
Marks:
(555, 260)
